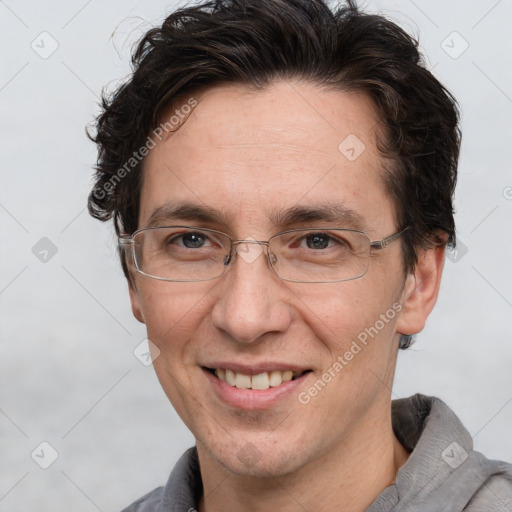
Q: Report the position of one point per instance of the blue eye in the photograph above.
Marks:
(193, 240)
(318, 241)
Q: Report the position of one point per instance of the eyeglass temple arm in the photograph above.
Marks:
(124, 240)
(382, 244)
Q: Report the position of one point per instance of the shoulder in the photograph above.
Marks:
(443, 471)
(151, 502)
(495, 493)
(181, 492)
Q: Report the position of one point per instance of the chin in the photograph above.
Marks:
(263, 458)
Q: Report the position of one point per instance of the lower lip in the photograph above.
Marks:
(254, 399)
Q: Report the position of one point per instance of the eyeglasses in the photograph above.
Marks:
(305, 255)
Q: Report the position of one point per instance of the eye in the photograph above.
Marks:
(324, 242)
(317, 240)
(192, 240)
(176, 240)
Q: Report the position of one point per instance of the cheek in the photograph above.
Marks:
(356, 311)
(173, 312)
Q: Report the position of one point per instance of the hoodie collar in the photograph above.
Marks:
(442, 472)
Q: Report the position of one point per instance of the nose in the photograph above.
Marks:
(251, 301)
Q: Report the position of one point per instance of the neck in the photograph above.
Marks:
(354, 473)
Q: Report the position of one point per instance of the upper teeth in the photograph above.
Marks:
(261, 381)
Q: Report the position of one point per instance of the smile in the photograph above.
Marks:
(261, 381)
(257, 386)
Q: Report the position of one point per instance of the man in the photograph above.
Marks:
(280, 178)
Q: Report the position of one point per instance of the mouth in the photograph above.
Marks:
(261, 381)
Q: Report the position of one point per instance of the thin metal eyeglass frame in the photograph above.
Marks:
(125, 240)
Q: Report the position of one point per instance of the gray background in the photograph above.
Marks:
(68, 373)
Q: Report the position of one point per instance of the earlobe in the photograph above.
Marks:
(421, 290)
(135, 302)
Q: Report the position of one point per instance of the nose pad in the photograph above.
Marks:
(249, 250)
(251, 253)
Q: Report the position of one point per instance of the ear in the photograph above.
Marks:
(134, 299)
(420, 290)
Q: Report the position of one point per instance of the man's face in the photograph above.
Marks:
(248, 155)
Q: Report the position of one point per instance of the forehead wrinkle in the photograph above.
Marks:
(294, 146)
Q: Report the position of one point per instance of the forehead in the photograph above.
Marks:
(254, 155)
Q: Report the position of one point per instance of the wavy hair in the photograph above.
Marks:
(253, 43)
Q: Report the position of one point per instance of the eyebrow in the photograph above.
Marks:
(184, 211)
(296, 215)
(331, 212)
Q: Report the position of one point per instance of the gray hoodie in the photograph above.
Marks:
(442, 474)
